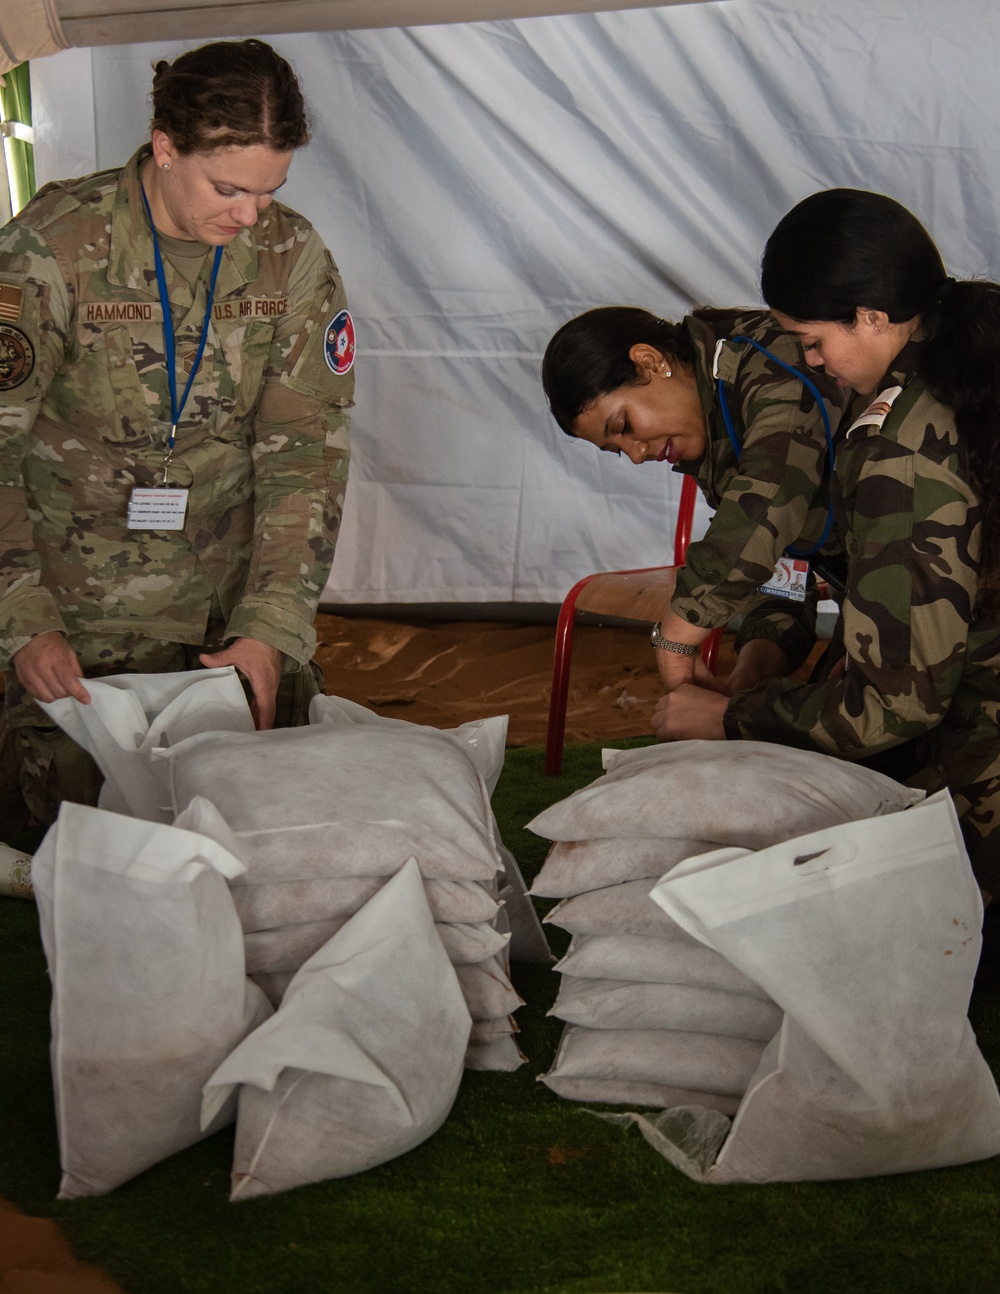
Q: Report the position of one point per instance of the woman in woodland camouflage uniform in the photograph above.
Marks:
(180, 265)
(634, 384)
(916, 657)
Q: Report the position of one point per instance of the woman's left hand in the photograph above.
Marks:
(690, 713)
(260, 665)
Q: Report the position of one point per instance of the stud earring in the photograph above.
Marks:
(166, 166)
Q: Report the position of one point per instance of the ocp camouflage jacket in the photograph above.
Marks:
(919, 653)
(85, 411)
(776, 494)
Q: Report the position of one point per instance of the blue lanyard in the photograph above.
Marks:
(738, 448)
(169, 346)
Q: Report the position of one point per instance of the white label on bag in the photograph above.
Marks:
(789, 579)
(160, 509)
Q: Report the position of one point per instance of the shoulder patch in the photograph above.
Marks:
(17, 357)
(11, 297)
(339, 347)
(877, 412)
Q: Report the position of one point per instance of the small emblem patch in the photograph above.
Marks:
(17, 357)
(340, 343)
(11, 297)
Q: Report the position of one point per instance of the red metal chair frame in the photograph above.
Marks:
(567, 619)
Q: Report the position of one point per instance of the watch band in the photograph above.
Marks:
(668, 644)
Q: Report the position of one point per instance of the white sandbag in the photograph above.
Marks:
(485, 986)
(362, 1061)
(648, 960)
(486, 1030)
(617, 1004)
(149, 992)
(483, 740)
(272, 904)
(487, 989)
(617, 910)
(868, 936)
(131, 715)
(287, 948)
(501, 1055)
(575, 866)
(358, 801)
(618, 1091)
(699, 1062)
(747, 793)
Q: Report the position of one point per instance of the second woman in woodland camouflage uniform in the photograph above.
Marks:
(725, 396)
(859, 281)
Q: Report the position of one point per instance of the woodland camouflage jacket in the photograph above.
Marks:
(775, 495)
(85, 409)
(919, 656)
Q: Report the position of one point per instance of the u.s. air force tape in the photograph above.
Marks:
(339, 348)
(17, 357)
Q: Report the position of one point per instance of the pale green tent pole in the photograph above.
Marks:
(15, 107)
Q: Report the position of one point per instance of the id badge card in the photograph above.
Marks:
(157, 509)
(789, 579)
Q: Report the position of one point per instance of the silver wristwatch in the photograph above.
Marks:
(668, 644)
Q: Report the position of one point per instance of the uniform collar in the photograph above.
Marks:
(130, 258)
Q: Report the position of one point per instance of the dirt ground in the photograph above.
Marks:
(446, 674)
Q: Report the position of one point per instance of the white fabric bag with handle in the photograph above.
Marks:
(867, 935)
(363, 1059)
(131, 715)
(149, 991)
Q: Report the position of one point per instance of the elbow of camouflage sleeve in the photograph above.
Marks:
(26, 612)
(790, 625)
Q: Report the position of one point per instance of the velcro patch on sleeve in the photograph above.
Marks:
(340, 343)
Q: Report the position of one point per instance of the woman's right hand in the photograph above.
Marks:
(49, 670)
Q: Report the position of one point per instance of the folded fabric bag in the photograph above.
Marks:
(131, 715)
(149, 990)
(363, 1059)
(867, 935)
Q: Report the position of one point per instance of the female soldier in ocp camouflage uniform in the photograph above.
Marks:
(634, 384)
(859, 281)
(99, 574)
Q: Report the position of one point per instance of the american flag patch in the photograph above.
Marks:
(10, 301)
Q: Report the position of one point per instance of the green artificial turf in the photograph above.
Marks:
(519, 1192)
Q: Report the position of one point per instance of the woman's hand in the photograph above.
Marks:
(48, 669)
(260, 665)
(690, 713)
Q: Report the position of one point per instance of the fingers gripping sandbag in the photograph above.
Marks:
(363, 1059)
(149, 991)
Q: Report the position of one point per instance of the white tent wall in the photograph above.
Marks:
(480, 183)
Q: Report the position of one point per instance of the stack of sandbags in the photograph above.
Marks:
(322, 816)
(867, 934)
(654, 1016)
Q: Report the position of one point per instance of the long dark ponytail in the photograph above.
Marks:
(844, 248)
(589, 356)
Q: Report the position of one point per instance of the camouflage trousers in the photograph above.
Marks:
(963, 755)
(40, 766)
